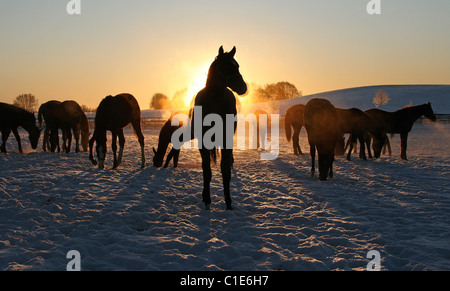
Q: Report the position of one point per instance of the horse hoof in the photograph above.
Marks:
(229, 207)
(207, 206)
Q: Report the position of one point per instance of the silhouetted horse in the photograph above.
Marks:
(11, 117)
(67, 116)
(165, 137)
(322, 127)
(48, 113)
(113, 114)
(294, 118)
(401, 121)
(216, 98)
(358, 123)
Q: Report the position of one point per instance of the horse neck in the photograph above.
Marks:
(164, 139)
(412, 113)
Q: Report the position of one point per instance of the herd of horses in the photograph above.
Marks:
(325, 125)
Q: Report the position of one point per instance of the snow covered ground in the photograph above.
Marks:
(153, 218)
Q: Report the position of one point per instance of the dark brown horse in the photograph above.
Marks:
(216, 99)
(323, 129)
(113, 114)
(401, 121)
(13, 117)
(165, 137)
(67, 116)
(294, 119)
(358, 123)
(47, 112)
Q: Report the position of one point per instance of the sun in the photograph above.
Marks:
(196, 83)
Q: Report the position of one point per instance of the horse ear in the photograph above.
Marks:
(221, 50)
(233, 52)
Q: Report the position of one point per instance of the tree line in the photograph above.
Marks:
(257, 94)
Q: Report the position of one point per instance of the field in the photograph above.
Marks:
(153, 218)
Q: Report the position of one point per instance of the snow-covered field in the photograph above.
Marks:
(153, 218)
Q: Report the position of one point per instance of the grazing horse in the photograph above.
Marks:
(358, 123)
(401, 121)
(11, 117)
(294, 118)
(113, 114)
(216, 99)
(67, 116)
(322, 126)
(165, 137)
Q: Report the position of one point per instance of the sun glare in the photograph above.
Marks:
(196, 83)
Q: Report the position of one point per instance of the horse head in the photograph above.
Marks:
(100, 150)
(158, 158)
(429, 112)
(226, 68)
(33, 131)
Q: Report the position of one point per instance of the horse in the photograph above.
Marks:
(401, 121)
(358, 123)
(216, 98)
(47, 112)
(323, 129)
(113, 114)
(11, 117)
(165, 137)
(294, 118)
(67, 116)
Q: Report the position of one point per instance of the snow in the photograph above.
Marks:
(284, 219)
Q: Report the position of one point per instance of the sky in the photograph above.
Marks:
(145, 47)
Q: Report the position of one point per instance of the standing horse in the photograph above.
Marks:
(48, 113)
(358, 123)
(113, 114)
(67, 116)
(294, 118)
(401, 121)
(11, 117)
(322, 126)
(217, 99)
(165, 137)
(74, 120)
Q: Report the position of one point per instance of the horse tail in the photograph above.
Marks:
(40, 117)
(85, 131)
(287, 129)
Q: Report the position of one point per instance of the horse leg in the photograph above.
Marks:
(351, 141)
(76, 133)
(312, 150)
(225, 167)
(137, 129)
(5, 135)
(17, 136)
(206, 166)
(91, 154)
(69, 139)
(45, 142)
(296, 143)
(404, 142)
(362, 148)
(114, 148)
(121, 146)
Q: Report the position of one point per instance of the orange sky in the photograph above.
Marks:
(144, 47)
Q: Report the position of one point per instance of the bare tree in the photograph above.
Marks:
(380, 99)
(27, 102)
